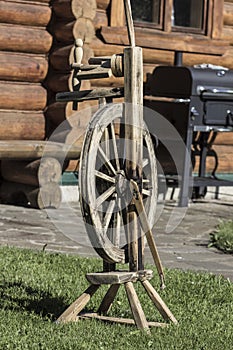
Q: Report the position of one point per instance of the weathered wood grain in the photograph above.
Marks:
(36, 172)
(30, 14)
(20, 38)
(19, 125)
(16, 96)
(46, 196)
(22, 67)
(71, 9)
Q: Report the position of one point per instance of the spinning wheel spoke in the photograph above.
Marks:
(106, 143)
(108, 215)
(145, 162)
(115, 151)
(105, 177)
(104, 196)
(144, 181)
(146, 192)
(118, 220)
(106, 160)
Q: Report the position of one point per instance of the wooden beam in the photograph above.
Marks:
(117, 17)
(218, 18)
(36, 149)
(147, 38)
(120, 320)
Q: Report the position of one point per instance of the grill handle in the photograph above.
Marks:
(215, 94)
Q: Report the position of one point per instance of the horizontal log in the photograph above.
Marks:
(58, 112)
(22, 96)
(228, 14)
(103, 4)
(35, 173)
(75, 9)
(62, 82)
(148, 38)
(101, 19)
(23, 13)
(224, 138)
(225, 154)
(18, 125)
(74, 137)
(47, 196)
(31, 1)
(58, 82)
(37, 149)
(24, 39)
(227, 33)
(82, 28)
(23, 67)
(62, 57)
(72, 165)
(108, 82)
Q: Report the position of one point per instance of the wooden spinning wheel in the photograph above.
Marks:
(118, 185)
(103, 192)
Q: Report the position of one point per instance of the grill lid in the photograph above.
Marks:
(183, 82)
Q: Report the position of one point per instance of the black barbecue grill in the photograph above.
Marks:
(203, 97)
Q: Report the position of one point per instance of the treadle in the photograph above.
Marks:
(126, 321)
(118, 277)
(85, 95)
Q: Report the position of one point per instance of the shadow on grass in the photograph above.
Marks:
(18, 296)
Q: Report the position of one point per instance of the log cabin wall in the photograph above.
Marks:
(72, 19)
(24, 45)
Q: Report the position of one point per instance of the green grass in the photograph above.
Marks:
(222, 237)
(35, 287)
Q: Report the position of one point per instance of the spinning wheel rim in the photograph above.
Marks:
(87, 180)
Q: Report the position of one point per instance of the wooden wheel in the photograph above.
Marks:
(104, 189)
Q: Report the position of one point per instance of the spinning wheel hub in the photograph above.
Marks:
(123, 186)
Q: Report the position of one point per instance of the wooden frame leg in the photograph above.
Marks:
(76, 307)
(138, 313)
(108, 299)
(159, 303)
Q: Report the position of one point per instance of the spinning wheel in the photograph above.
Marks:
(104, 197)
(118, 186)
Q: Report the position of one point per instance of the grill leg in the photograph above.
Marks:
(187, 171)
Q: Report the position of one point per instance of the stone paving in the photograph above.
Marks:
(185, 247)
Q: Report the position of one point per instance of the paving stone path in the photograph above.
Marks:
(184, 247)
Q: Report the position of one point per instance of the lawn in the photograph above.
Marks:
(37, 286)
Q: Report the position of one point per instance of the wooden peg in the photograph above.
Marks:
(78, 55)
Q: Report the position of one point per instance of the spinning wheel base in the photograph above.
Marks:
(116, 279)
